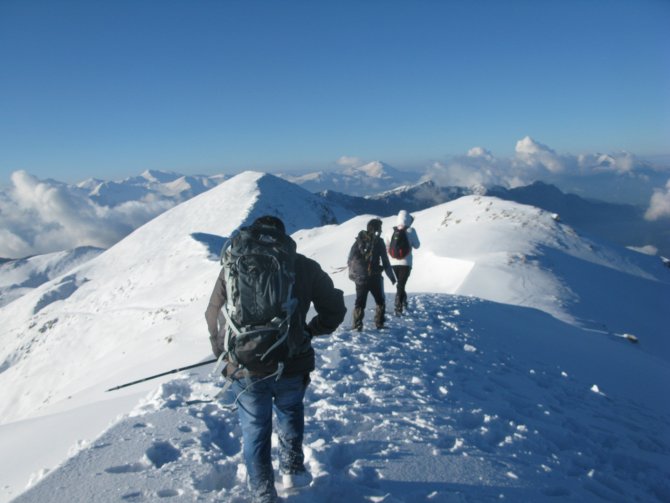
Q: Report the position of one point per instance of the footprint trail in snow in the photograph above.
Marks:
(439, 406)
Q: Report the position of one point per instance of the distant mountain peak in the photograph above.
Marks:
(157, 176)
(368, 179)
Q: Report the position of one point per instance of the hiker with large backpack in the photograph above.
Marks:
(257, 321)
(399, 244)
(367, 260)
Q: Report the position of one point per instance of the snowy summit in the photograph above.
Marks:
(509, 379)
(359, 180)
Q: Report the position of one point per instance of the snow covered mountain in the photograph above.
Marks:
(150, 184)
(363, 180)
(407, 197)
(623, 224)
(20, 276)
(520, 255)
(139, 271)
(509, 378)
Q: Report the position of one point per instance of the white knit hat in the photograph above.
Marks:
(404, 219)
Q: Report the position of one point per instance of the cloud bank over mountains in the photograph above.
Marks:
(43, 216)
(534, 161)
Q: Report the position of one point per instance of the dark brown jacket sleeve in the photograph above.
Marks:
(328, 301)
(213, 313)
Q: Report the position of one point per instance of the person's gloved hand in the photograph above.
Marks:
(215, 347)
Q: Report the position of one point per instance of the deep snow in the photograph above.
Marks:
(508, 379)
(453, 402)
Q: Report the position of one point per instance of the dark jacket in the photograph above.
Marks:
(360, 268)
(312, 285)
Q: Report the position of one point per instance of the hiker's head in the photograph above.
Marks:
(375, 226)
(270, 221)
(404, 219)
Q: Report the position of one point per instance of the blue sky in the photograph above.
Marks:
(109, 89)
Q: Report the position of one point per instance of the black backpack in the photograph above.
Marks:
(360, 256)
(399, 247)
(259, 271)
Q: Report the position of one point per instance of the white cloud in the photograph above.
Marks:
(349, 161)
(534, 161)
(477, 168)
(535, 157)
(533, 154)
(455, 173)
(659, 205)
(13, 245)
(480, 153)
(44, 216)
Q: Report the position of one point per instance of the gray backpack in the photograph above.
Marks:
(259, 271)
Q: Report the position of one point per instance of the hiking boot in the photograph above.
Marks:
(380, 317)
(265, 493)
(358, 319)
(296, 480)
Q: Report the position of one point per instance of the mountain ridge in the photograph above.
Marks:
(375, 176)
(623, 224)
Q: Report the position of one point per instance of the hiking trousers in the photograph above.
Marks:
(374, 285)
(402, 273)
(257, 397)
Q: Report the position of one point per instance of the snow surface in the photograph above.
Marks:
(17, 277)
(509, 378)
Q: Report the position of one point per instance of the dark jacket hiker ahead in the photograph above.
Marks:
(366, 262)
(279, 285)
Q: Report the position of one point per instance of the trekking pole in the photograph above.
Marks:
(173, 371)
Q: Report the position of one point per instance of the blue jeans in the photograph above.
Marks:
(254, 410)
